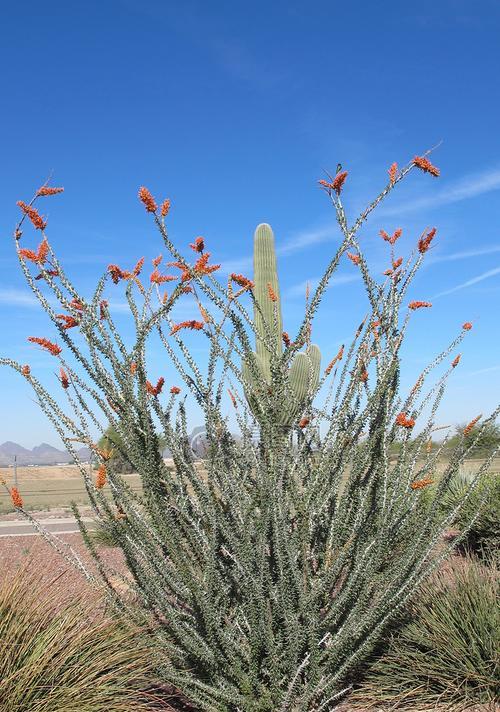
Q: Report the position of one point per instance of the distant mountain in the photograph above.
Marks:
(43, 454)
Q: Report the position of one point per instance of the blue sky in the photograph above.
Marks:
(233, 110)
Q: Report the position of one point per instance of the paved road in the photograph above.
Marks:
(66, 525)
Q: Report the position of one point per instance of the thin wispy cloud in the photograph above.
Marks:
(467, 187)
(18, 298)
(337, 280)
(490, 250)
(484, 370)
(469, 282)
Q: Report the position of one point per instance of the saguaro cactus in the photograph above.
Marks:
(303, 375)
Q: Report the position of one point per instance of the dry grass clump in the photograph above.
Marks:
(70, 658)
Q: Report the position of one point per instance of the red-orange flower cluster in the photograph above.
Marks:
(16, 498)
(40, 256)
(393, 171)
(425, 165)
(338, 182)
(69, 321)
(242, 281)
(456, 361)
(418, 305)
(233, 399)
(332, 363)
(147, 200)
(191, 324)
(54, 349)
(467, 326)
(424, 242)
(286, 339)
(304, 422)
(469, 426)
(157, 278)
(64, 378)
(355, 259)
(397, 263)
(33, 215)
(133, 368)
(404, 421)
(201, 265)
(25, 370)
(272, 294)
(101, 477)
(165, 208)
(391, 239)
(155, 390)
(419, 484)
(198, 245)
(76, 304)
(47, 190)
(175, 390)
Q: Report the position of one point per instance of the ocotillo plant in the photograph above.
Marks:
(303, 375)
(271, 573)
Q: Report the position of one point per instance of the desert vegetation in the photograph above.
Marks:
(268, 581)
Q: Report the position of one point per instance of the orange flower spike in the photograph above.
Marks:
(69, 321)
(404, 421)
(47, 190)
(325, 184)
(201, 266)
(16, 498)
(363, 376)
(355, 259)
(424, 242)
(272, 294)
(191, 324)
(116, 273)
(64, 378)
(397, 263)
(102, 476)
(133, 368)
(33, 215)
(165, 208)
(157, 260)
(338, 182)
(468, 428)
(467, 326)
(418, 305)
(205, 315)
(54, 349)
(396, 235)
(198, 245)
(147, 200)
(304, 422)
(233, 399)
(28, 254)
(175, 390)
(242, 281)
(75, 304)
(420, 484)
(456, 361)
(25, 370)
(332, 363)
(393, 171)
(426, 166)
(286, 339)
(138, 267)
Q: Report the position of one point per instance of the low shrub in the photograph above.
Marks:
(483, 537)
(445, 654)
(72, 659)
